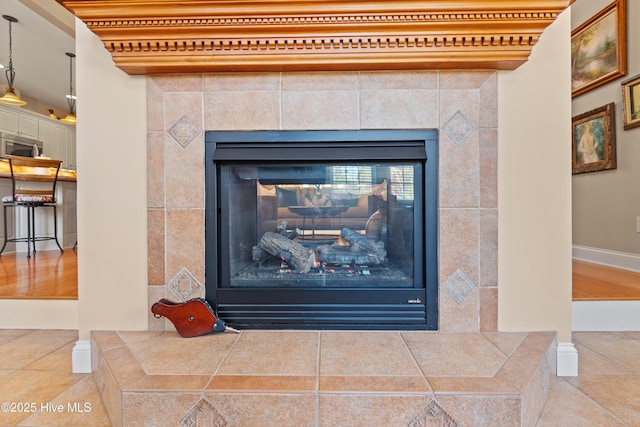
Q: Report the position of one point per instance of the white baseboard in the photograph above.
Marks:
(567, 360)
(605, 316)
(81, 358)
(626, 261)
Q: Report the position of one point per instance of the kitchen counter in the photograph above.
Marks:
(63, 175)
(66, 213)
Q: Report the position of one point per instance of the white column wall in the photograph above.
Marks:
(534, 188)
(112, 191)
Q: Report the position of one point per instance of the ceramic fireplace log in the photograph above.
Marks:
(375, 247)
(299, 257)
(346, 255)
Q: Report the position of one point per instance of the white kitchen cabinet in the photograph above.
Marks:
(8, 121)
(61, 146)
(71, 147)
(46, 132)
(27, 125)
(58, 139)
(17, 122)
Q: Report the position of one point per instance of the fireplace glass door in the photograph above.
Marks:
(320, 225)
(310, 242)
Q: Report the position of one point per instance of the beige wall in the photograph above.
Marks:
(606, 203)
(112, 188)
(534, 189)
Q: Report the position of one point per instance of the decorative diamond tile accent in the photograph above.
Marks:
(184, 131)
(458, 286)
(184, 285)
(433, 416)
(458, 128)
(203, 414)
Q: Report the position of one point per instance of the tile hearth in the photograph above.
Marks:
(324, 378)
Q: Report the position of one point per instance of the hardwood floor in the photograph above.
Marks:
(52, 275)
(46, 275)
(592, 282)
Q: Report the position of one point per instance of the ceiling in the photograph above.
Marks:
(41, 37)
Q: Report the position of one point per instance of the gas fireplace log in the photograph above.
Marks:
(373, 246)
(332, 254)
(298, 257)
(259, 254)
(282, 229)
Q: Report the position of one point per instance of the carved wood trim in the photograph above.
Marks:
(165, 36)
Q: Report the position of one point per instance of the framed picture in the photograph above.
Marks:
(599, 49)
(631, 99)
(594, 140)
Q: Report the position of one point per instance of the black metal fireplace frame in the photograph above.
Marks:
(330, 308)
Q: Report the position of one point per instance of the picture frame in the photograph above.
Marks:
(599, 49)
(594, 140)
(631, 102)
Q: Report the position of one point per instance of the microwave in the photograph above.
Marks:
(19, 146)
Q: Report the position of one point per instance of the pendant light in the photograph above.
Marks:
(10, 96)
(71, 98)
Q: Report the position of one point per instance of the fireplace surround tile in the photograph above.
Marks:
(491, 379)
(170, 357)
(459, 243)
(461, 79)
(365, 354)
(155, 169)
(185, 242)
(155, 106)
(242, 82)
(459, 110)
(183, 106)
(488, 166)
(399, 108)
(143, 409)
(489, 102)
(177, 82)
(155, 245)
(328, 109)
(391, 80)
(488, 309)
(184, 131)
(389, 99)
(488, 248)
(462, 355)
(283, 353)
(265, 410)
(476, 410)
(261, 383)
(320, 81)
(184, 180)
(359, 410)
(238, 110)
(459, 178)
(373, 384)
(461, 317)
(184, 286)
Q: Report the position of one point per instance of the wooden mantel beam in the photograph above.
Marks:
(169, 36)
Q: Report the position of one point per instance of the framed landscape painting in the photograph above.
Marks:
(599, 49)
(631, 102)
(594, 140)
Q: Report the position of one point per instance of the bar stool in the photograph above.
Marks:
(33, 182)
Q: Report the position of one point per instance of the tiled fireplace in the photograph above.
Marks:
(465, 373)
(460, 104)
